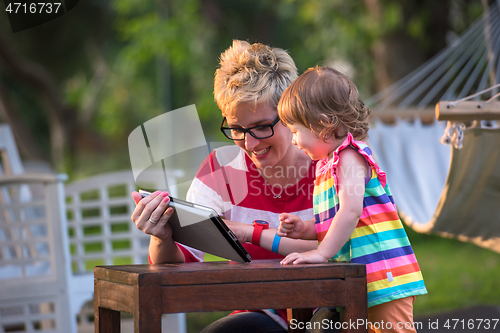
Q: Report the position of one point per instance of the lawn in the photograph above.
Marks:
(456, 274)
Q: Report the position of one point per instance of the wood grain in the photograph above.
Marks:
(147, 291)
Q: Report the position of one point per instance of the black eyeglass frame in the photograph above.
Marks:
(249, 130)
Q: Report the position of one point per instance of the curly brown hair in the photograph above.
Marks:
(323, 100)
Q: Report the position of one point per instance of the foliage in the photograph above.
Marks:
(123, 62)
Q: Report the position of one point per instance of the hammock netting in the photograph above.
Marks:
(452, 193)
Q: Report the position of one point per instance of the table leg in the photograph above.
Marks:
(298, 316)
(356, 306)
(106, 320)
(147, 313)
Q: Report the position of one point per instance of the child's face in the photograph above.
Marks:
(316, 148)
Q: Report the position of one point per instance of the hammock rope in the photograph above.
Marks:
(451, 192)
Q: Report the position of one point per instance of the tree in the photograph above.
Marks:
(32, 77)
(76, 87)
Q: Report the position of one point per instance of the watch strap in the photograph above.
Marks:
(257, 232)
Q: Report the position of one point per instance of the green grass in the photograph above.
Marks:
(196, 321)
(456, 274)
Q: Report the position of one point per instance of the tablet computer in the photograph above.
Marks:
(202, 228)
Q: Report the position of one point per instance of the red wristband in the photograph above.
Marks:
(258, 226)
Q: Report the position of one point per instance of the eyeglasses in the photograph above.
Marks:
(258, 132)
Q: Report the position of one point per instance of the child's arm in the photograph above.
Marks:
(351, 175)
(292, 226)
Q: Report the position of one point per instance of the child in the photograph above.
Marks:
(355, 216)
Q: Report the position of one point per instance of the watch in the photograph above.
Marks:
(258, 226)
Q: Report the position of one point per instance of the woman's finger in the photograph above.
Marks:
(141, 205)
(150, 208)
(158, 211)
(165, 217)
(161, 229)
(137, 197)
(167, 212)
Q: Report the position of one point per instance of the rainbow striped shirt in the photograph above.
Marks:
(379, 240)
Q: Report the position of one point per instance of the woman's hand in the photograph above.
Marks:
(309, 257)
(242, 231)
(291, 226)
(152, 208)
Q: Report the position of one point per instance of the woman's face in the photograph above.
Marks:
(263, 152)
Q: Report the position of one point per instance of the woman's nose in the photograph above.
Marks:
(250, 141)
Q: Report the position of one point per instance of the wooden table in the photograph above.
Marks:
(147, 291)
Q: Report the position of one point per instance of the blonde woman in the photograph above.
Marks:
(249, 183)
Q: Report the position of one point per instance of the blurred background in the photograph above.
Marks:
(74, 88)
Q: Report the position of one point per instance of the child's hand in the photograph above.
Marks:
(311, 257)
(291, 226)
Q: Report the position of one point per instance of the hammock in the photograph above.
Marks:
(452, 194)
(467, 65)
(462, 202)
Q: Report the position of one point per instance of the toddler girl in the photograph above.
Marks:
(355, 216)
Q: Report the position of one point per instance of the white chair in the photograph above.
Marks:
(50, 243)
(101, 233)
(34, 262)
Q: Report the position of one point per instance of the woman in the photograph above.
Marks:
(260, 177)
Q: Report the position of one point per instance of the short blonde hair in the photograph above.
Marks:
(323, 100)
(252, 73)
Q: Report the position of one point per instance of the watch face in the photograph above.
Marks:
(261, 222)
